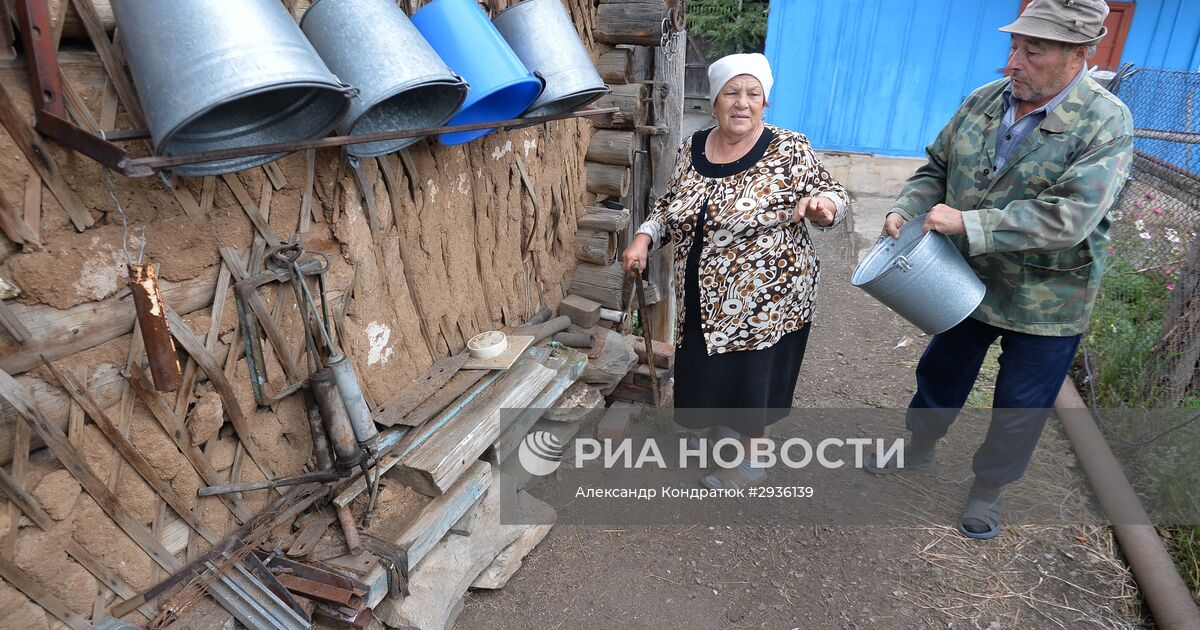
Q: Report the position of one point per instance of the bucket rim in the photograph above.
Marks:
(431, 80)
(548, 108)
(529, 80)
(344, 91)
(921, 245)
(401, 143)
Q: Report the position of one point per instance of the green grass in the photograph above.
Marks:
(1124, 367)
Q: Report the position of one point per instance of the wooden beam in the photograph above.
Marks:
(419, 390)
(434, 520)
(182, 438)
(33, 207)
(629, 100)
(131, 454)
(607, 219)
(630, 22)
(612, 146)
(107, 577)
(616, 66)
(668, 115)
(40, 596)
(216, 377)
(434, 465)
(58, 333)
(38, 154)
(596, 247)
(20, 463)
(15, 227)
(109, 59)
(25, 502)
(607, 179)
(605, 284)
(252, 211)
(56, 441)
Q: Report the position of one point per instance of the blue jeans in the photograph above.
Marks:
(1032, 369)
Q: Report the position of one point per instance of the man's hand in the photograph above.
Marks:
(818, 210)
(944, 219)
(892, 223)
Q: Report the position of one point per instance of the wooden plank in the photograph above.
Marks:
(109, 59)
(179, 434)
(308, 213)
(132, 358)
(107, 577)
(275, 174)
(33, 207)
(233, 409)
(435, 519)
(185, 198)
(566, 372)
(20, 462)
(13, 324)
(52, 604)
(39, 156)
(434, 404)
(435, 464)
(76, 418)
(266, 320)
(56, 441)
(628, 99)
(208, 194)
(14, 227)
(252, 211)
(60, 333)
(131, 454)
(419, 390)
(24, 501)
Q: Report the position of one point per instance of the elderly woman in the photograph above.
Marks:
(745, 269)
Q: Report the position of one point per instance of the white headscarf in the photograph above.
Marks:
(730, 66)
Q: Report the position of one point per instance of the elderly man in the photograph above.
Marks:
(1022, 179)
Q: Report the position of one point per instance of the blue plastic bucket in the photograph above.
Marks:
(501, 87)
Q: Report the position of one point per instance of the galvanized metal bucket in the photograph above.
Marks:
(502, 87)
(221, 75)
(543, 36)
(922, 277)
(402, 82)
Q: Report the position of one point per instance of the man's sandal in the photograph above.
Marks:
(990, 513)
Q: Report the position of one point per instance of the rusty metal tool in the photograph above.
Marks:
(640, 288)
(321, 476)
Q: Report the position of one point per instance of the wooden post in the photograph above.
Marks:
(668, 115)
(607, 219)
(600, 283)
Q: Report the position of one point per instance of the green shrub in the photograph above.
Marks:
(728, 26)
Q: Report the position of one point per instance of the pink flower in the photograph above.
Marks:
(1111, 250)
(1157, 210)
(1170, 286)
(1140, 203)
(1151, 196)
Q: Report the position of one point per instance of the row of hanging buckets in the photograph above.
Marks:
(216, 76)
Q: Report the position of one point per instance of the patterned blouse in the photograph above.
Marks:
(758, 270)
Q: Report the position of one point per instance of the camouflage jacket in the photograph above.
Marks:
(1036, 229)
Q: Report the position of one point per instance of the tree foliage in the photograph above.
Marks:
(728, 26)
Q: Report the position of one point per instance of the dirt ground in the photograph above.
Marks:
(923, 575)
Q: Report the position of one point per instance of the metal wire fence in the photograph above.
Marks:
(1144, 341)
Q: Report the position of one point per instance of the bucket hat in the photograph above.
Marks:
(1069, 21)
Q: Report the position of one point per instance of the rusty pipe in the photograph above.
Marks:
(156, 334)
(1168, 597)
(320, 440)
(353, 541)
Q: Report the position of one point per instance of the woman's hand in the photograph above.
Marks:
(818, 210)
(634, 257)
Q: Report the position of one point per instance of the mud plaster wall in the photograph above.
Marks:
(460, 248)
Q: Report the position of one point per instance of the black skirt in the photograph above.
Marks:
(759, 384)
